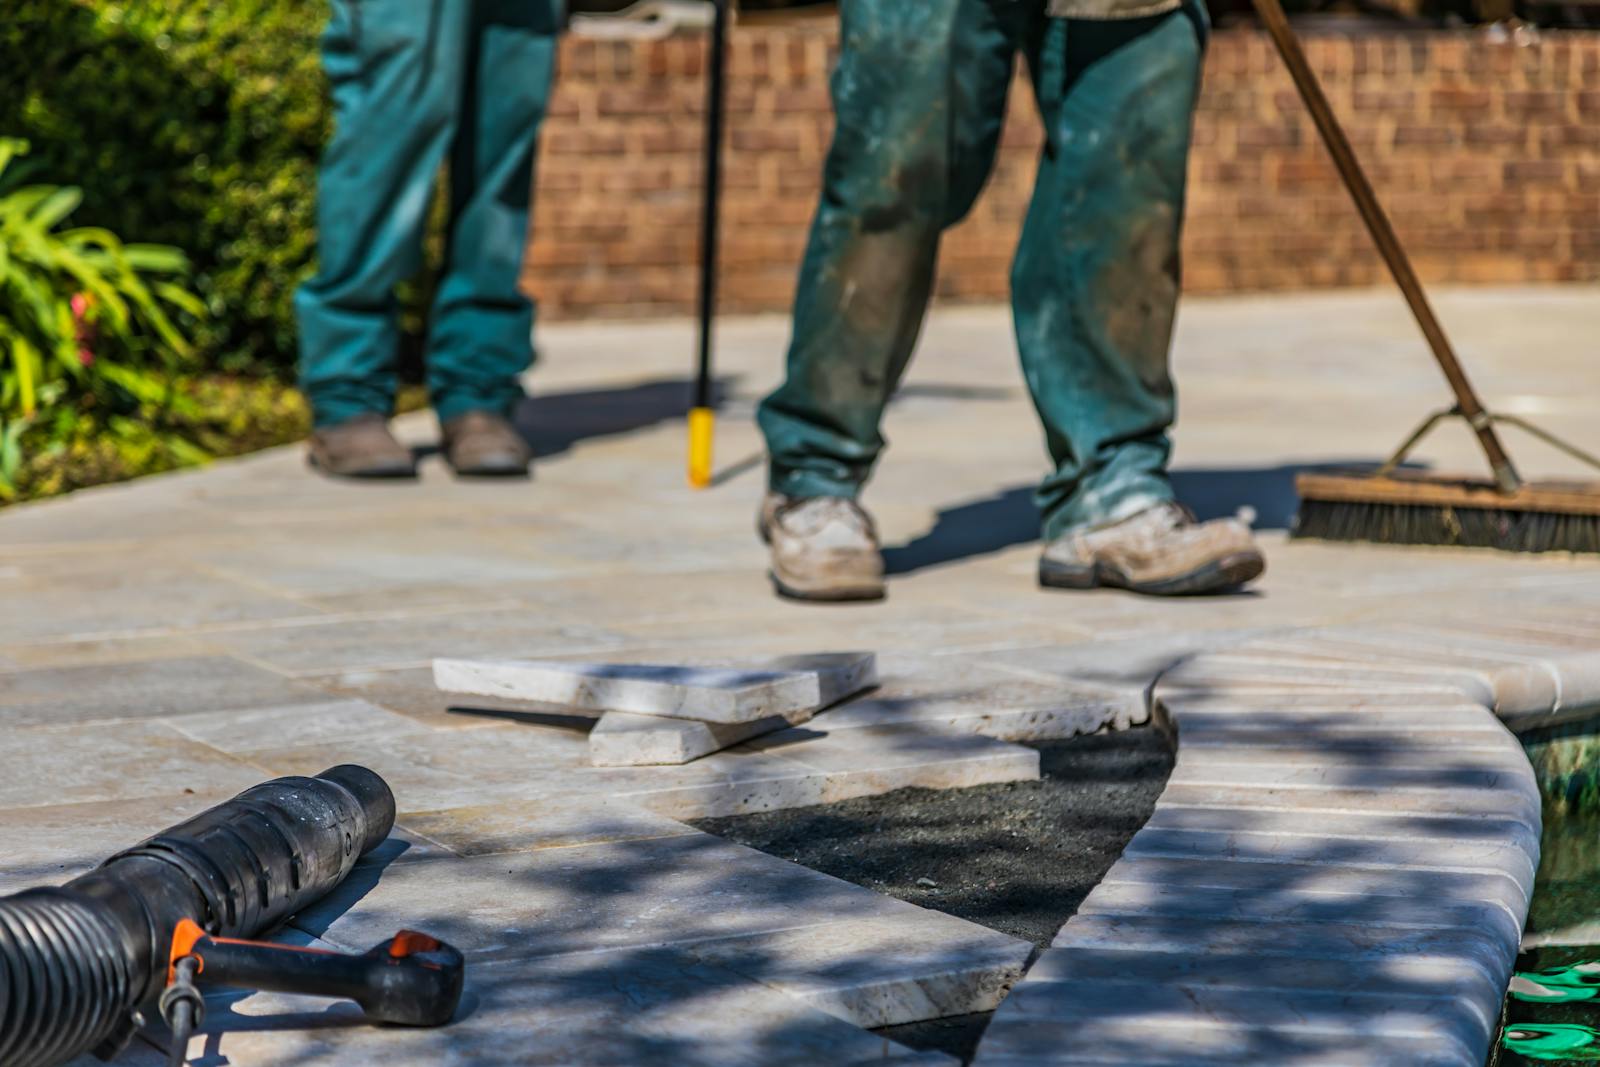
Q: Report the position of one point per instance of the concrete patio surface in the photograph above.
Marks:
(174, 640)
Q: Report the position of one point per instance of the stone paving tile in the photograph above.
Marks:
(94, 651)
(1310, 699)
(1376, 945)
(51, 843)
(106, 597)
(1286, 1011)
(757, 914)
(1521, 684)
(708, 694)
(1333, 850)
(831, 766)
(1467, 831)
(524, 826)
(326, 648)
(967, 694)
(1272, 875)
(941, 967)
(590, 1010)
(589, 898)
(620, 739)
(1295, 905)
(1026, 1042)
(1282, 727)
(1493, 755)
(115, 761)
(410, 692)
(1518, 805)
(479, 765)
(1126, 665)
(309, 560)
(1354, 775)
(500, 763)
(145, 689)
(1387, 747)
(1228, 672)
(1418, 976)
(243, 732)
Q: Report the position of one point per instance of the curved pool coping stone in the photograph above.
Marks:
(1340, 867)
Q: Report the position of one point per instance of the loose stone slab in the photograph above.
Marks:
(854, 953)
(956, 967)
(622, 739)
(585, 1010)
(720, 695)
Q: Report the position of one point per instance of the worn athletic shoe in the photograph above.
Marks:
(361, 447)
(483, 444)
(1161, 551)
(823, 548)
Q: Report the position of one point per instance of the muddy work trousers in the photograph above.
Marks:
(417, 84)
(920, 95)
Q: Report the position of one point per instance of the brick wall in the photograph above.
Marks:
(1487, 154)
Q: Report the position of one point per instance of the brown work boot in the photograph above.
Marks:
(481, 443)
(361, 447)
(823, 548)
(1161, 551)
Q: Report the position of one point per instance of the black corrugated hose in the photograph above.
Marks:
(79, 961)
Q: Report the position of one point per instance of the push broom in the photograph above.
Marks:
(1395, 505)
(702, 419)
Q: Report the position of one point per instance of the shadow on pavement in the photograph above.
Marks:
(554, 422)
(1009, 518)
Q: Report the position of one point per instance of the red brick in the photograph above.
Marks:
(1487, 155)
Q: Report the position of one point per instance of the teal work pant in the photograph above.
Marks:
(416, 84)
(920, 96)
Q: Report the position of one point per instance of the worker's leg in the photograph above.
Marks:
(395, 68)
(479, 338)
(1095, 283)
(919, 95)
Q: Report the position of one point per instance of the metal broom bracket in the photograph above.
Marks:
(1479, 421)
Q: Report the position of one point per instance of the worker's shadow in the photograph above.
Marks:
(1009, 517)
(552, 423)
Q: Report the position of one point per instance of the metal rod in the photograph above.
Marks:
(1383, 235)
(716, 99)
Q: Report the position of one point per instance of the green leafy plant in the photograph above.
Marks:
(197, 125)
(89, 345)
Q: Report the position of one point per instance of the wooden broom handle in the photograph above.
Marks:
(1383, 235)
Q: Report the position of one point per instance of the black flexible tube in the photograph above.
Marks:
(77, 961)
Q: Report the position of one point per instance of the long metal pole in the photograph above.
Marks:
(1383, 235)
(701, 419)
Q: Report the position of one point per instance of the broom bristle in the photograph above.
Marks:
(1507, 529)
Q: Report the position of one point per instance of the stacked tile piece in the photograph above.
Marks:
(652, 714)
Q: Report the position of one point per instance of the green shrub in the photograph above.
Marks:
(193, 124)
(87, 336)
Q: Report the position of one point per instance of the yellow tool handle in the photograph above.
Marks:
(702, 426)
